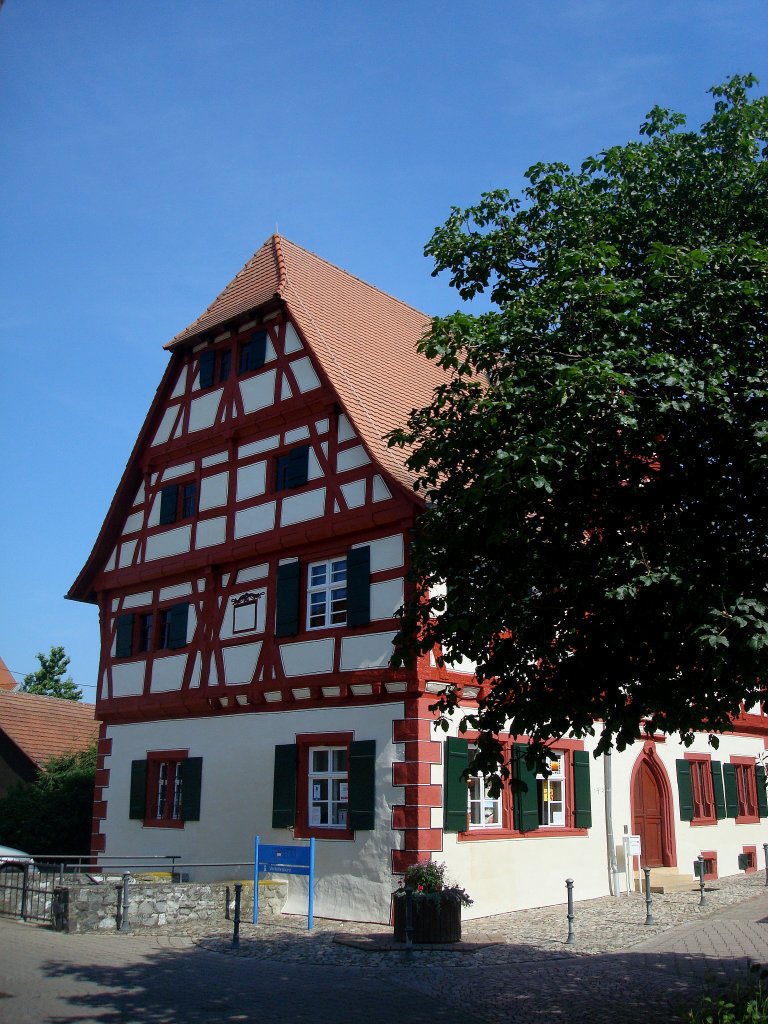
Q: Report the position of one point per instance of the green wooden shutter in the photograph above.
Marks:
(288, 594)
(717, 789)
(191, 785)
(525, 795)
(124, 640)
(456, 758)
(731, 792)
(138, 798)
(762, 797)
(582, 790)
(684, 789)
(207, 365)
(168, 502)
(177, 626)
(284, 786)
(362, 785)
(253, 353)
(359, 586)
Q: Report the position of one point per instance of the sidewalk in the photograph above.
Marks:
(619, 970)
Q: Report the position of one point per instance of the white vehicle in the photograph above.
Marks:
(10, 858)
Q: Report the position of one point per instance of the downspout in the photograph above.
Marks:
(613, 867)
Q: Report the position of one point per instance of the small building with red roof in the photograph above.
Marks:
(34, 729)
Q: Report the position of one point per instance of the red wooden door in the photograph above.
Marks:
(648, 819)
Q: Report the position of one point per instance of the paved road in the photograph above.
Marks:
(50, 978)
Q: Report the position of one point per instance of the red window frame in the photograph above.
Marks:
(702, 789)
(305, 742)
(746, 790)
(155, 761)
(507, 829)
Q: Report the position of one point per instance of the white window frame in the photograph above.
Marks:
(325, 593)
(335, 782)
(479, 799)
(547, 786)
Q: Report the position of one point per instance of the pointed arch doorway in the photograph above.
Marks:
(652, 815)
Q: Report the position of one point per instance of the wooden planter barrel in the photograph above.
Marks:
(434, 920)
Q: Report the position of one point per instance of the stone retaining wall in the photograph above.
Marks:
(94, 903)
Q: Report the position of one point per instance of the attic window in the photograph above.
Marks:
(253, 353)
(211, 362)
(292, 468)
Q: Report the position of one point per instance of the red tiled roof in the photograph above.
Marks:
(7, 682)
(364, 339)
(44, 727)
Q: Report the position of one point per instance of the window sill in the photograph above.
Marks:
(747, 819)
(543, 832)
(163, 823)
(697, 822)
(313, 832)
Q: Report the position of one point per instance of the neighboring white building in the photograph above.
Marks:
(247, 576)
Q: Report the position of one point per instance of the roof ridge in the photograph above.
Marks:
(282, 271)
(45, 696)
(354, 277)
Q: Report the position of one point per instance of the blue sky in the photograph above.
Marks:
(148, 148)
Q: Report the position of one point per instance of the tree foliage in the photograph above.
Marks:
(53, 814)
(596, 470)
(49, 679)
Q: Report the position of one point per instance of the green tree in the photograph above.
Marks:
(53, 814)
(596, 470)
(49, 680)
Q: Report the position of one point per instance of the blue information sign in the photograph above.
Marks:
(284, 860)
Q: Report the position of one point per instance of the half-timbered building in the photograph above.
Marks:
(247, 576)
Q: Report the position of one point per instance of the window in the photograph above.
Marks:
(484, 809)
(559, 804)
(133, 634)
(166, 789)
(327, 594)
(173, 627)
(210, 361)
(551, 791)
(253, 353)
(700, 789)
(178, 501)
(292, 469)
(746, 791)
(324, 786)
(338, 592)
(328, 787)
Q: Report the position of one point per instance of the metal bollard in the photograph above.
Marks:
(702, 897)
(765, 852)
(648, 900)
(571, 933)
(226, 904)
(124, 909)
(236, 932)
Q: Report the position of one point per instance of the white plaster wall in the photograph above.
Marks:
(386, 598)
(167, 673)
(353, 876)
(213, 491)
(240, 663)
(210, 532)
(298, 508)
(251, 480)
(292, 341)
(351, 458)
(258, 392)
(128, 678)
(305, 375)
(371, 650)
(307, 657)
(202, 410)
(171, 542)
(166, 424)
(255, 520)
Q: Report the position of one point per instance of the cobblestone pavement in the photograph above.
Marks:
(618, 969)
